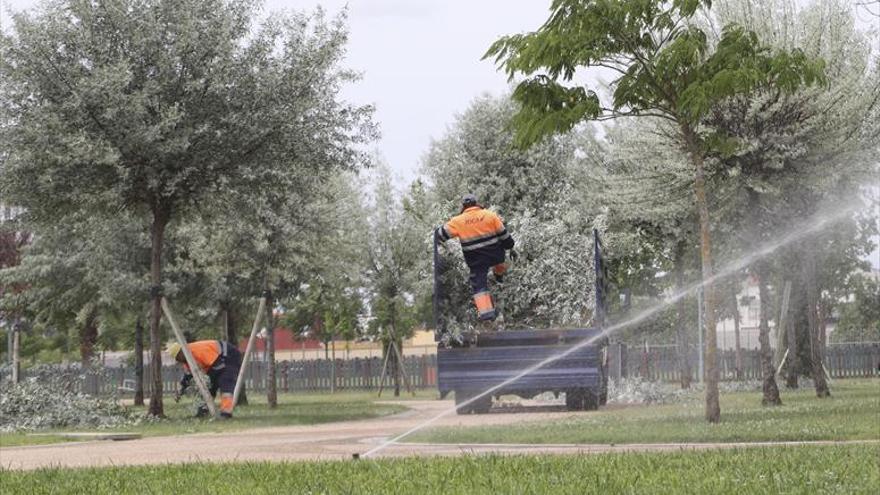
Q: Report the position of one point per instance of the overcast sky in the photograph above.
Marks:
(421, 62)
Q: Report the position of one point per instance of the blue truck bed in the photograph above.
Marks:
(491, 359)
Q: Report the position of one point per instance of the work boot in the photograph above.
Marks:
(225, 415)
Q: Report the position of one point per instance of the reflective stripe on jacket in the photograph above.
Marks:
(482, 235)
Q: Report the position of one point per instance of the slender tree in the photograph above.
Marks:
(394, 251)
(665, 68)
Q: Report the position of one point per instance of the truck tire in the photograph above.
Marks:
(574, 399)
(478, 406)
(591, 400)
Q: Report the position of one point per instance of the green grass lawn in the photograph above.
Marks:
(848, 470)
(852, 413)
(293, 409)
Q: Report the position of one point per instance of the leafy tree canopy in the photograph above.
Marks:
(664, 64)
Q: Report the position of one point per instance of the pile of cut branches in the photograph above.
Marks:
(49, 398)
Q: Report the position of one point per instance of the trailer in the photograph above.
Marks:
(480, 361)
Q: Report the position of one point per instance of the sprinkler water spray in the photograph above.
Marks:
(814, 225)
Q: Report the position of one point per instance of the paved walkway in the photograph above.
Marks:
(321, 442)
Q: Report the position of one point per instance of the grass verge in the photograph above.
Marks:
(850, 469)
(293, 409)
(852, 413)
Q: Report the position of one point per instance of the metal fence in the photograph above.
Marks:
(652, 363)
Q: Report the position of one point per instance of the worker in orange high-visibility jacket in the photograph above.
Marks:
(483, 240)
(220, 360)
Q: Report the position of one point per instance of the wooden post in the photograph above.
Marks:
(247, 352)
(382, 375)
(781, 323)
(401, 369)
(194, 368)
(782, 362)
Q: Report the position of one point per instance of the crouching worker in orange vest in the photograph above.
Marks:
(483, 240)
(220, 360)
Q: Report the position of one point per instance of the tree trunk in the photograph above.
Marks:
(139, 363)
(768, 372)
(792, 362)
(9, 346)
(224, 315)
(16, 354)
(271, 386)
(333, 365)
(88, 338)
(823, 327)
(738, 363)
(394, 367)
(394, 355)
(713, 408)
(230, 326)
(157, 238)
(812, 304)
(684, 361)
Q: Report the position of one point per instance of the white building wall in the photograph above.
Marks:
(749, 314)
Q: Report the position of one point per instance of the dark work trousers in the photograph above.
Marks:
(224, 371)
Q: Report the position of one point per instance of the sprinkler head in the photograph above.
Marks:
(356, 456)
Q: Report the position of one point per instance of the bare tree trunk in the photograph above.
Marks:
(271, 386)
(684, 361)
(823, 327)
(394, 355)
(88, 338)
(792, 362)
(9, 338)
(812, 300)
(318, 332)
(333, 364)
(230, 326)
(768, 372)
(395, 369)
(224, 314)
(713, 408)
(139, 362)
(157, 238)
(738, 364)
(16, 354)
